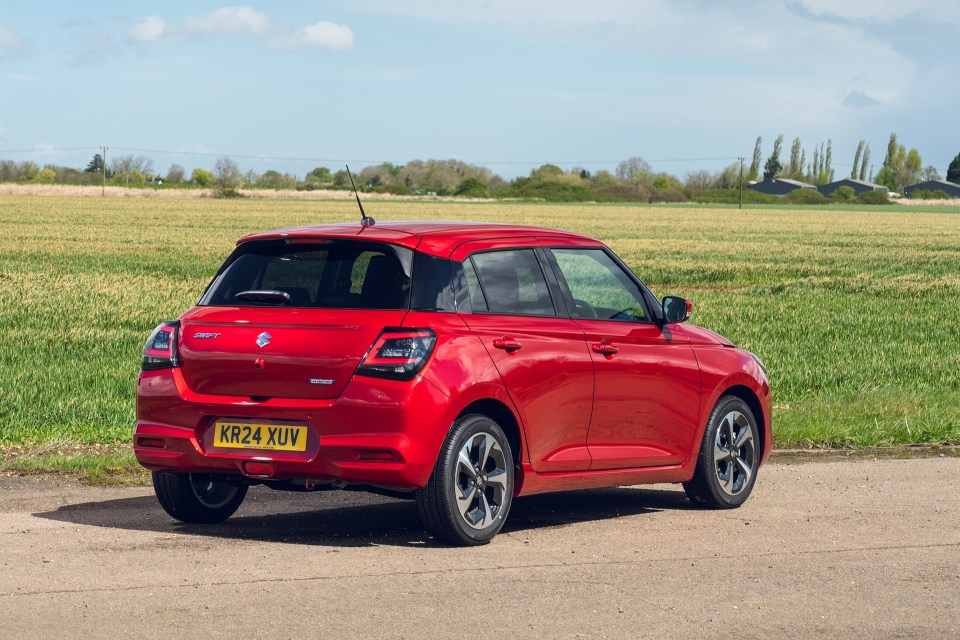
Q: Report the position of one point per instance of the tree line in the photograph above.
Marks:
(633, 180)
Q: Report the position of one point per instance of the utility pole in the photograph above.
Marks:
(741, 182)
(103, 170)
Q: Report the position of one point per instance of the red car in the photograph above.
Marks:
(464, 364)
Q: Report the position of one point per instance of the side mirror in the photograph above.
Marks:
(676, 309)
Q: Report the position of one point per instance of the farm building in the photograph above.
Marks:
(952, 189)
(857, 185)
(779, 186)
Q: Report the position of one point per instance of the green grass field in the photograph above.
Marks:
(854, 312)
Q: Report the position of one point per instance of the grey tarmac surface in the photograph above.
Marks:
(865, 548)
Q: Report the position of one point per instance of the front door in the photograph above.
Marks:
(647, 385)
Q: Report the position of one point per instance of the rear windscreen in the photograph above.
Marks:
(335, 274)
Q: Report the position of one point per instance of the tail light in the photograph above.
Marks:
(398, 354)
(160, 350)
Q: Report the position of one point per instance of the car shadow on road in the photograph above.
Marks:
(349, 519)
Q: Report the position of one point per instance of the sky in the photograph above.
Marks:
(507, 84)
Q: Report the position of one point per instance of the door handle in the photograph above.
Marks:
(507, 344)
(605, 349)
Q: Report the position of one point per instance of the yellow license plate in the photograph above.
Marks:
(246, 435)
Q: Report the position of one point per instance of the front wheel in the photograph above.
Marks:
(197, 498)
(468, 496)
(729, 457)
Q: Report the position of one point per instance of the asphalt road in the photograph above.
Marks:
(867, 548)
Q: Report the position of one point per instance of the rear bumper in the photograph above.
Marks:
(378, 432)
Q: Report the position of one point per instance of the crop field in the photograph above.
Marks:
(855, 312)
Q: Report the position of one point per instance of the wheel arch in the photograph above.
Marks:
(753, 401)
(503, 416)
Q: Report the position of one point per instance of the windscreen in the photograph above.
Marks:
(322, 274)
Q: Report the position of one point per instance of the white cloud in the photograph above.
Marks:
(244, 22)
(228, 21)
(150, 29)
(11, 44)
(322, 35)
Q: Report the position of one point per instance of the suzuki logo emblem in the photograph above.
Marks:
(263, 339)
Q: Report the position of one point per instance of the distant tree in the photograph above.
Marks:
(320, 174)
(272, 179)
(828, 174)
(795, 168)
(728, 178)
(46, 176)
(602, 179)
(472, 188)
(757, 158)
(227, 177)
(856, 159)
(27, 171)
(124, 167)
(341, 179)
(953, 171)
(773, 167)
(843, 194)
(96, 164)
(929, 173)
(633, 169)
(699, 181)
(201, 177)
(175, 174)
(546, 172)
(864, 163)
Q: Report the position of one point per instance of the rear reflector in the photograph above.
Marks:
(151, 443)
(378, 455)
(256, 468)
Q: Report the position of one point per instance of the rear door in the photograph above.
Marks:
(541, 356)
(647, 393)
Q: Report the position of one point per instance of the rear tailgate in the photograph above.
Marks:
(277, 353)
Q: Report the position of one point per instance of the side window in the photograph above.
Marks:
(600, 288)
(513, 283)
(477, 302)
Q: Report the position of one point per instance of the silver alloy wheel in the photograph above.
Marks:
(734, 453)
(212, 494)
(481, 480)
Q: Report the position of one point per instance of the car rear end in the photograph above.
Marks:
(296, 367)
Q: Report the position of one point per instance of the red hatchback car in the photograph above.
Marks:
(463, 364)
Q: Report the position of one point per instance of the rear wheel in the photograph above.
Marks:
(469, 494)
(729, 457)
(197, 498)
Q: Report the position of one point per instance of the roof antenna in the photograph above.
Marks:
(365, 220)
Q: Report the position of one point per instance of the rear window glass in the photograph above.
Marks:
(326, 275)
(513, 283)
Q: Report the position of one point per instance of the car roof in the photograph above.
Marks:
(437, 238)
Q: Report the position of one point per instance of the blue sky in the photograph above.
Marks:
(509, 84)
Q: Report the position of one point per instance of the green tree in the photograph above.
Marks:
(472, 188)
(865, 163)
(795, 168)
(96, 164)
(46, 176)
(757, 158)
(929, 173)
(28, 170)
(773, 166)
(634, 169)
(201, 177)
(175, 174)
(227, 177)
(321, 175)
(546, 172)
(856, 159)
(953, 171)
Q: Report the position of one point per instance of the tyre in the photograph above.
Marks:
(468, 496)
(197, 498)
(729, 457)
